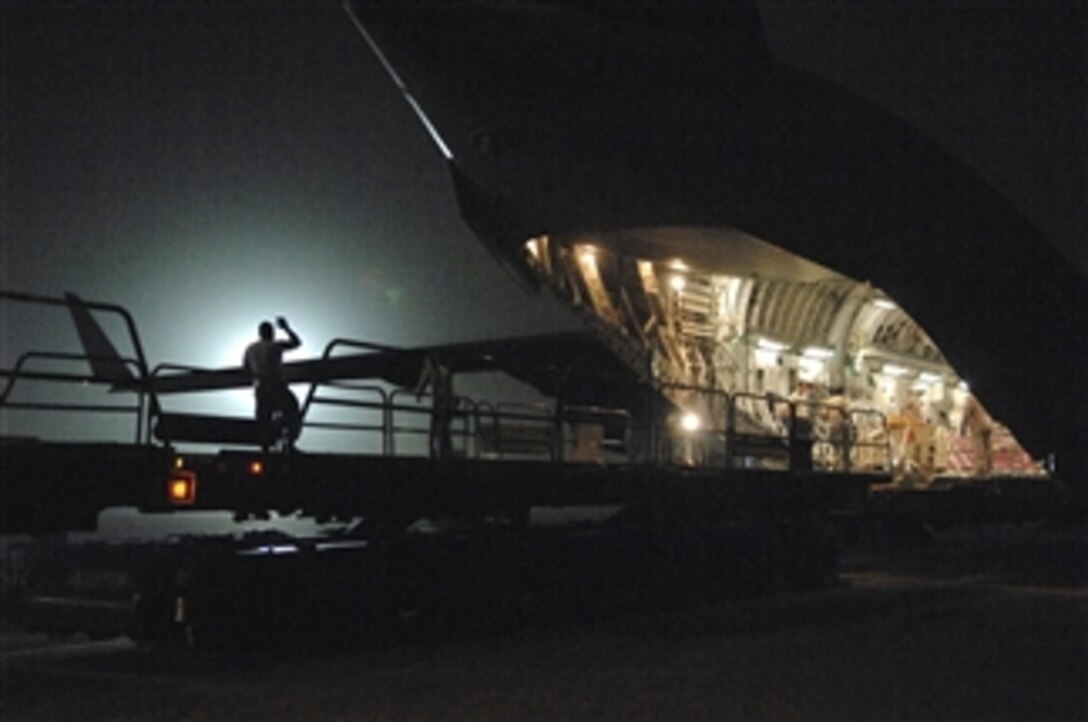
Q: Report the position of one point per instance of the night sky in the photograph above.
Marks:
(208, 168)
(209, 165)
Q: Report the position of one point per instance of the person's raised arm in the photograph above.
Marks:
(293, 341)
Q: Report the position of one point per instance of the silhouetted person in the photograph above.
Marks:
(443, 405)
(800, 426)
(977, 426)
(264, 362)
(836, 414)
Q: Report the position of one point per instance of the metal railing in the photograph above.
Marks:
(772, 431)
(759, 431)
(28, 369)
(662, 425)
(870, 442)
(371, 401)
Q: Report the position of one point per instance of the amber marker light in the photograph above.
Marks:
(181, 489)
(256, 467)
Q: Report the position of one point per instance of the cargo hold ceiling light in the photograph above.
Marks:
(926, 380)
(533, 247)
(768, 344)
(820, 353)
(894, 370)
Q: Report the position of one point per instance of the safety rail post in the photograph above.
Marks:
(387, 444)
(459, 413)
(381, 404)
(558, 450)
(480, 408)
(468, 410)
(154, 375)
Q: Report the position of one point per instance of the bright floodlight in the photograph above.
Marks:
(768, 344)
(895, 370)
(818, 352)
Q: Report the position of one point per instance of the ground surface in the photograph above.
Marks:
(966, 630)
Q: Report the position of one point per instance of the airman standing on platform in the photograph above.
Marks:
(438, 378)
(836, 415)
(264, 361)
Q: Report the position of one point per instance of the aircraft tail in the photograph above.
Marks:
(106, 363)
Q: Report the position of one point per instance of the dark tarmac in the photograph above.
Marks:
(962, 630)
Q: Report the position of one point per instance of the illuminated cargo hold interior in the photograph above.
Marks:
(744, 317)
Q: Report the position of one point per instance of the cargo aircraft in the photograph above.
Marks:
(723, 219)
(752, 245)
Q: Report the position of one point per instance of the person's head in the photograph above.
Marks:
(266, 331)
